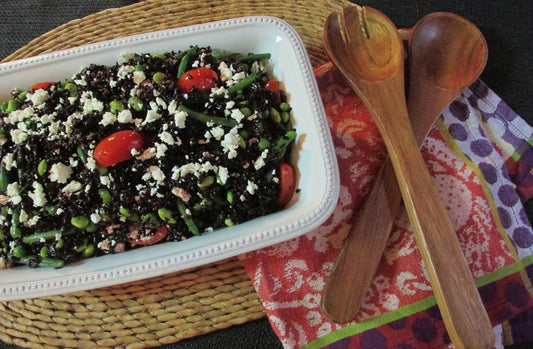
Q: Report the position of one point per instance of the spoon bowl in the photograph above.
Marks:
(366, 47)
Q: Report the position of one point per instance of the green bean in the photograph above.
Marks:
(81, 154)
(166, 215)
(185, 61)
(4, 179)
(105, 195)
(14, 229)
(208, 118)
(42, 167)
(241, 85)
(135, 103)
(189, 222)
(44, 236)
(158, 77)
(116, 107)
(3, 107)
(79, 221)
(285, 116)
(218, 53)
(254, 57)
(51, 263)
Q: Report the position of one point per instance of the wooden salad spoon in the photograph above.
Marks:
(366, 47)
(447, 53)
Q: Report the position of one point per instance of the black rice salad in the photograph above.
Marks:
(158, 147)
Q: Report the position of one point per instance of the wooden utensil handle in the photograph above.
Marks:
(465, 316)
(358, 261)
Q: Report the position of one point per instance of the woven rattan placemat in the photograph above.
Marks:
(176, 306)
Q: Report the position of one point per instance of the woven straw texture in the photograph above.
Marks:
(176, 306)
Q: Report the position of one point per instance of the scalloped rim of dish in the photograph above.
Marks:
(221, 244)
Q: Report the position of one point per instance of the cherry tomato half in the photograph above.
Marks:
(41, 85)
(117, 147)
(287, 183)
(273, 85)
(159, 235)
(203, 79)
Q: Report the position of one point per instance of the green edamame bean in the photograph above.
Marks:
(88, 251)
(166, 215)
(44, 251)
(135, 103)
(263, 143)
(229, 196)
(246, 111)
(22, 95)
(42, 167)
(115, 107)
(206, 182)
(11, 105)
(72, 89)
(79, 221)
(158, 77)
(125, 212)
(138, 67)
(3, 107)
(60, 243)
(274, 115)
(105, 195)
(18, 251)
(229, 222)
(284, 106)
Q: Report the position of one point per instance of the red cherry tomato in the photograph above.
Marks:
(42, 85)
(273, 85)
(203, 79)
(117, 148)
(159, 235)
(287, 183)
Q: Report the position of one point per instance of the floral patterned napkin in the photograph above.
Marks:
(480, 154)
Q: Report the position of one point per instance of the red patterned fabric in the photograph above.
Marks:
(468, 154)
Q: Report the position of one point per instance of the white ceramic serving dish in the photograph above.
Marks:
(314, 156)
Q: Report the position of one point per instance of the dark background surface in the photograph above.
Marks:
(505, 24)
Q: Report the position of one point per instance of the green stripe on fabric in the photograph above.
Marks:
(377, 321)
(411, 309)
